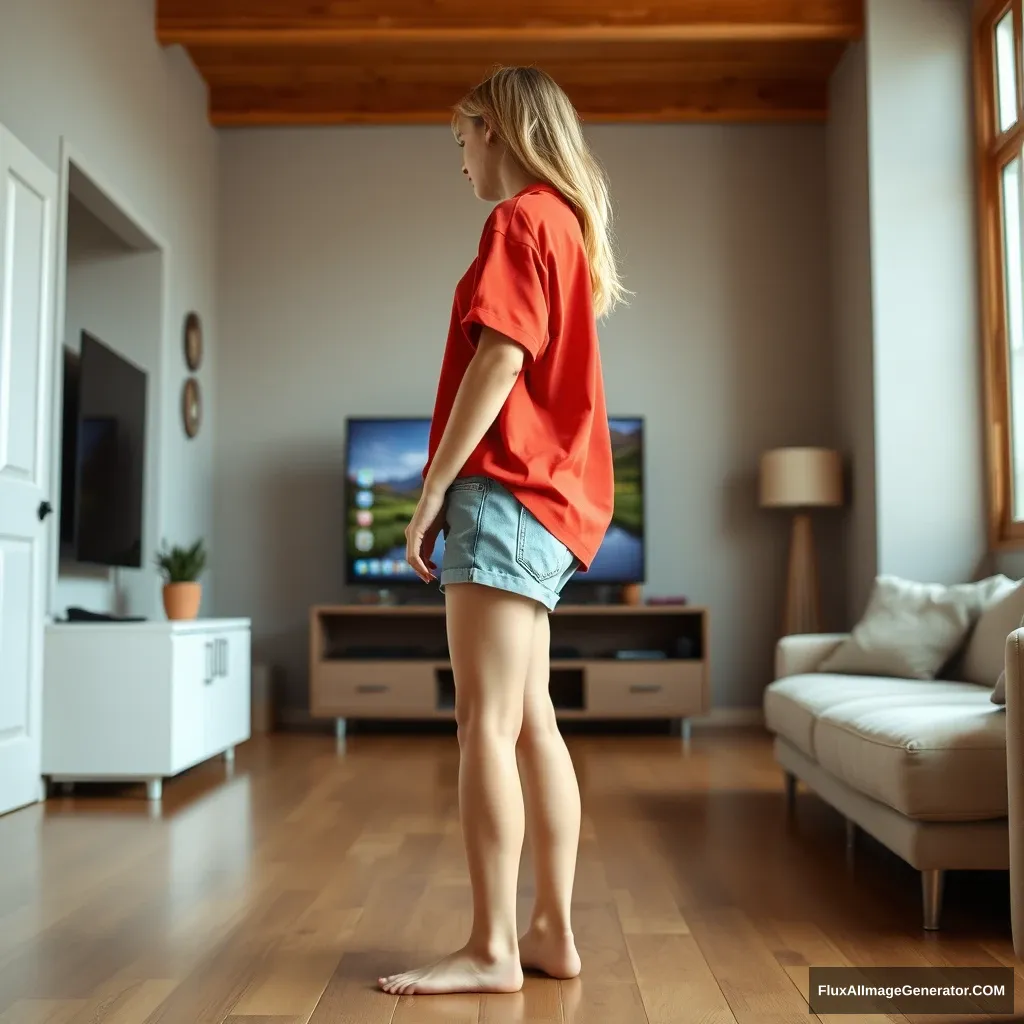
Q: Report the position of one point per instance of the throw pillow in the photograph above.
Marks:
(985, 652)
(909, 630)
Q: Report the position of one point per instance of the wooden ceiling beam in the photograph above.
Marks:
(315, 23)
(278, 62)
(780, 59)
(420, 102)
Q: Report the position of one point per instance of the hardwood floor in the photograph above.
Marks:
(277, 894)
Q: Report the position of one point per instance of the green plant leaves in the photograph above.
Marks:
(182, 564)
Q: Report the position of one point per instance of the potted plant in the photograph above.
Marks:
(181, 568)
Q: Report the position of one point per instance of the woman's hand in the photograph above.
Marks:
(421, 533)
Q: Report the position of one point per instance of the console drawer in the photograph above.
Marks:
(640, 689)
(384, 688)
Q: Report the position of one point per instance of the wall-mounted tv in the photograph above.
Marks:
(103, 457)
(384, 460)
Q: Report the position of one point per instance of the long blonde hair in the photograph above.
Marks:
(541, 128)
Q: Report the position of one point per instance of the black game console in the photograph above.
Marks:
(76, 614)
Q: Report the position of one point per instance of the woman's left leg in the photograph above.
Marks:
(490, 637)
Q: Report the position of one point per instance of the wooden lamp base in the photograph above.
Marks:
(803, 599)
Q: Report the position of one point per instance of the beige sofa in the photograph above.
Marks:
(918, 760)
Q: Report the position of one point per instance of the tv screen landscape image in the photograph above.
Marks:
(384, 460)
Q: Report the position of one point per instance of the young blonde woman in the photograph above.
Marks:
(519, 478)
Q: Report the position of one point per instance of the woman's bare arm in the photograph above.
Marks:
(486, 385)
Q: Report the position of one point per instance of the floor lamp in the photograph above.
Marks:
(801, 479)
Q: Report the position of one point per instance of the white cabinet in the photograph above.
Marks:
(143, 700)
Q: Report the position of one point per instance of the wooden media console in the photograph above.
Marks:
(608, 662)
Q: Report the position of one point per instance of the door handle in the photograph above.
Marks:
(45, 508)
(224, 658)
(645, 688)
(209, 664)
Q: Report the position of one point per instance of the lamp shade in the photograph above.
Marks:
(801, 477)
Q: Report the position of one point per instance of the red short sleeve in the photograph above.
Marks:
(510, 293)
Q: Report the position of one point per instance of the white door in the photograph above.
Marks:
(28, 204)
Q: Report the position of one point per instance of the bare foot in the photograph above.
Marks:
(553, 953)
(459, 972)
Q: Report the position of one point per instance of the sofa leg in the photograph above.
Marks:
(931, 890)
(790, 791)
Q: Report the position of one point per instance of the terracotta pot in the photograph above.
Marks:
(181, 600)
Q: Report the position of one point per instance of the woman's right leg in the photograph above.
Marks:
(552, 803)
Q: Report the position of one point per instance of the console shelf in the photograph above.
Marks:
(608, 662)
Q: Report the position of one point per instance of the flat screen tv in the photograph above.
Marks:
(384, 460)
(104, 457)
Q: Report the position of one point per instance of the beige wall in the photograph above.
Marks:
(340, 252)
(928, 419)
(904, 298)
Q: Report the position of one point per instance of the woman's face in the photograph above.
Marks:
(480, 158)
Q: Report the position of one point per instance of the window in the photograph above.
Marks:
(1000, 113)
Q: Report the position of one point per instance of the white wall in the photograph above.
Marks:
(340, 251)
(928, 414)
(94, 74)
(849, 230)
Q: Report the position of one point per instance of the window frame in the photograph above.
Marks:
(994, 150)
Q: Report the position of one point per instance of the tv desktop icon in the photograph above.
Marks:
(364, 477)
(364, 499)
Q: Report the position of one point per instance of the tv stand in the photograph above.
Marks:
(609, 662)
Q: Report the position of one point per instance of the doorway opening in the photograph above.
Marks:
(106, 446)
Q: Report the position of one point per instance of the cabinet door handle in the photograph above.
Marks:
(208, 678)
(645, 688)
(372, 688)
(224, 659)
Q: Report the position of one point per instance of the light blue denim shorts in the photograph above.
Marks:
(493, 539)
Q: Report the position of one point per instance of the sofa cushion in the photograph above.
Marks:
(793, 703)
(912, 629)
(930, 756)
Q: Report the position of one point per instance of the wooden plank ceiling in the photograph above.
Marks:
(282, 62)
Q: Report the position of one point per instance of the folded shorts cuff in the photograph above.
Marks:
(512, 584)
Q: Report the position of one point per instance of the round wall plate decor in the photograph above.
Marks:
(193, 341)
(191, 407)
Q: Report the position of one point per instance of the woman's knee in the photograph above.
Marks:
(540, 724)
(475, 720)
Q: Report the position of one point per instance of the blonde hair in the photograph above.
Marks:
(541, 128)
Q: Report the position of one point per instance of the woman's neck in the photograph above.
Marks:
(515, 178)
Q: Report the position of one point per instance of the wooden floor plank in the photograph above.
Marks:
(672, 974)
(756, 988)
(277, 894)
(597, 1000)
(235, 1019)
(799, 945)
